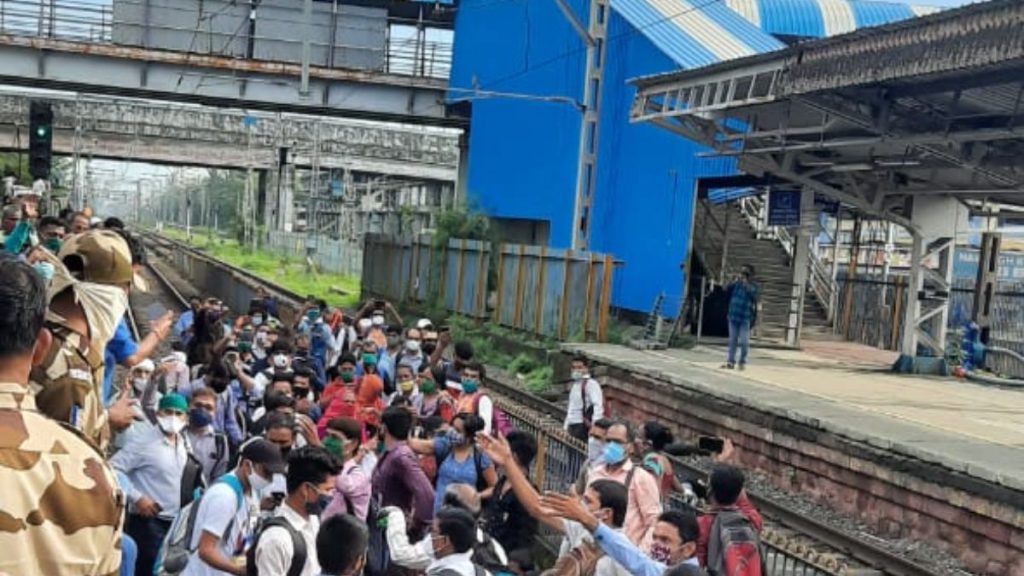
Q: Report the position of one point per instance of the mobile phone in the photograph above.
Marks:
(711, 444)
(378, 304)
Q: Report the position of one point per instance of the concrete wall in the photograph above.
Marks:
(357, 34)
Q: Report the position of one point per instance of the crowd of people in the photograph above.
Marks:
(337, 443)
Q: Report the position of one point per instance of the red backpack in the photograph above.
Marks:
(734, 547)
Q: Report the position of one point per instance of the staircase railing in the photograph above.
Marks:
(712, 242)
(822, 284)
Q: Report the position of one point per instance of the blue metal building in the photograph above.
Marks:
(521, 65)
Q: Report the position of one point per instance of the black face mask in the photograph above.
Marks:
(428, 348)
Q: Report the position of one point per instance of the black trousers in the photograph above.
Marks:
(148, 534)
(579, 431)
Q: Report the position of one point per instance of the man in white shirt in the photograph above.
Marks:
(452, 536)
(311, 474)
(586, 400)
(224, 521)
(153, 463)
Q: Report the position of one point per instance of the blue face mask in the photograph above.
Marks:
(614, 453)
(199, 418)
(469, 386)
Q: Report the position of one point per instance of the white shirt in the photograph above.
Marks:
(595, 398)
(216, 509)
(459, 563)
(153, 466)
(576, 534)
(275, 550)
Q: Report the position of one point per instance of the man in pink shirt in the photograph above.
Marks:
(644, 502)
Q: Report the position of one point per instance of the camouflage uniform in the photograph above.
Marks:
(73, 379)
(68, 383)
(61, 511)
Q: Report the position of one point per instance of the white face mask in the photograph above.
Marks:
(413, 346)
(579, 375)
(140, 385)
(377, 320)
(280, 360)
(257, 320)
(258, 483)
(171, 424)
(595, 451)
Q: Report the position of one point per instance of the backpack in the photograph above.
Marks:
(485, 557)
(299, 551)
(734, 547)
(177, 545)
(500, 423)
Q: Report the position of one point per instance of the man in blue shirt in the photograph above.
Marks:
(122, 349)
(743, 293)
(181, 327)
(674, 543)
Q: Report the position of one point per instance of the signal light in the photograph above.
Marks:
(40, 142)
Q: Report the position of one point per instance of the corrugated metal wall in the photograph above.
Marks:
(522, 159)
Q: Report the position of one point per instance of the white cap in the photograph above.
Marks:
(424, 323)
(176, 356)
(145, 366)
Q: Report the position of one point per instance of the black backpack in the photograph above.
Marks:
(298, 548)
(485, 557)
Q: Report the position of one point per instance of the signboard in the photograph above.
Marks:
(784, 208)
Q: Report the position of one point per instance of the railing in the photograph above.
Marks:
(561, 457)
(712, 242)
(219, 31)
(820, 277)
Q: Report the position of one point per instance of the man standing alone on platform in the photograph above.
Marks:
(743, 294)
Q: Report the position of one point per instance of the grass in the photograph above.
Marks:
(289, 272)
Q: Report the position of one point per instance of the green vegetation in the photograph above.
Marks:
(536, 376)
(291, 273)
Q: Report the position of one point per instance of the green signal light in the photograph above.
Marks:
(42, 131)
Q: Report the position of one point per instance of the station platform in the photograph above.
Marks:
(847, 389)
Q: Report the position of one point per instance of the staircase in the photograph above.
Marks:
(768, 257)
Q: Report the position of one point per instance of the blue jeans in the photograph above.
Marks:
(129, 554)
(739, 335)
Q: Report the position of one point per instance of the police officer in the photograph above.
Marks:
(61, 512)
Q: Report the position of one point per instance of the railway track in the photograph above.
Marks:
(823, 549)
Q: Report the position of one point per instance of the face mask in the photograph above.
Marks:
(53, 244)
(579, 374)
(316, 507)
(614, 453)
(44, 269)
(140, 385)
(413, 346)
(280, 360)
(313, 315)
(215, 315)
(369, 359)
(346, 376)
(428, 347)
(427, 386)
(335, 446)
(456, 437)
(469, 386)
(595, 451)
(393, 341)
(199, 418)
(257, 321)
(170, 424)
(406, 386)
(661, 553)
(258, 483)
(377, 321)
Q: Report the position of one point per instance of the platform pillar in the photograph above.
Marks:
(801, 265)
(937, 221)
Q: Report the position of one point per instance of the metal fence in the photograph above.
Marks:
(336, 256)
(354, 37)
(555, 293)
(560, 458)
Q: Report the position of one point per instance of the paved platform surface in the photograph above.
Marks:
(847, 389)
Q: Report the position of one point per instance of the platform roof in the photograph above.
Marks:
(931, 105)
